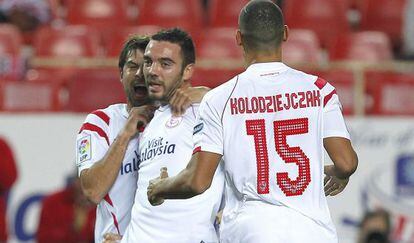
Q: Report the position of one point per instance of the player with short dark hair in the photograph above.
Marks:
(167, 142)
(270, 124)
(181, 38)
(107, 144)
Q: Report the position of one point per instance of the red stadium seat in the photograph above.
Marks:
(115, 40)
(389, 93)
(344, 83)
(98, 13)
(70, 41)
(53, 75)
(372, 46)
(302, 46)
(186, 14)
(213, 77)
(327, 18)
(225, 13)
(93, 89)
(383, 15)
(11, 62)
(219, 43)
(27, 96)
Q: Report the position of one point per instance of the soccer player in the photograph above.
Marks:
(107, 144)
(167, 141)
(270, 124)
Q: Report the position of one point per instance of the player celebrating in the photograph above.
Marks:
(107, 144)
(168, 142)
(270, 124)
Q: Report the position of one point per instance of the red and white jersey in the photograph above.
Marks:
(167, 141)
(97, 133)
(269, 123)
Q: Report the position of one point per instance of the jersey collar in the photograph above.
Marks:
(267, 68)
(124, 111)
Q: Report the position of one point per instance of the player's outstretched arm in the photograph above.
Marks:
(345, 163)
(98, 179)
(193, 180)
(186, 96)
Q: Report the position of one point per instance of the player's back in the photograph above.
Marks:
(272, 120)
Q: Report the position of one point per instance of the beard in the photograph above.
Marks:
(168, 92)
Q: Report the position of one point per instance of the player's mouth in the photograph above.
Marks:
(155, 87)
(140, 91)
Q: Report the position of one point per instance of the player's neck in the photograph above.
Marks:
(252, 58)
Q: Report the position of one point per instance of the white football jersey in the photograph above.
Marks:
(167, 141)
(97, 133)
(269, 123)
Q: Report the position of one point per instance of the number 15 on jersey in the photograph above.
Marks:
(281, 129)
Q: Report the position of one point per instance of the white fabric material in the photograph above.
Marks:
(121, 195)
(168, 142)
(283, 109)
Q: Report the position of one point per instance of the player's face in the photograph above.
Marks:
(162, 69)
(133, 79)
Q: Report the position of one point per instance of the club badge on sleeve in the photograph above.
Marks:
(198, 128)
(84, 150)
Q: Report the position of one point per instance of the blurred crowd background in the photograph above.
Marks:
(58, 61)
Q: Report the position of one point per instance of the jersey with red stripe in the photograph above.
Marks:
(98, 132)
(167, 141)
(269, 123)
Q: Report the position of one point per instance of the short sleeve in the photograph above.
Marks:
(208, 132)
(333, 120)
(92, 142)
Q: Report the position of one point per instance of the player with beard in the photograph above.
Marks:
(107, 143)
(167, 142)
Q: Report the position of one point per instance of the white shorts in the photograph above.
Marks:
(258, 222)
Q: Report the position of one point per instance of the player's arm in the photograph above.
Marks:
(186, 96)
(99, 178)
(193, 180)
(345, 163)
(343, 156)
(337, 143)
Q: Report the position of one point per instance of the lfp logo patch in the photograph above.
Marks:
(84, 149)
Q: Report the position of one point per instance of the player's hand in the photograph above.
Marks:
(138, 118)
(332, 184)
(186, 96)
(111, 238)
(152, 188)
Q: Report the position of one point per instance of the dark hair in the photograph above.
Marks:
(133, 42)
(384, 215)
(181, 38)
(261, 25)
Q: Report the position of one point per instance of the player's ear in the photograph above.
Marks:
(285, 33)
(239, 38)
(188, 72)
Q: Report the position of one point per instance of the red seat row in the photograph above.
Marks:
(327, 18)
(302, 46)
(87, 90)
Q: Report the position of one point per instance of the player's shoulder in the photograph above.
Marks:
(106, 114)
(313, 80)
(223, 91)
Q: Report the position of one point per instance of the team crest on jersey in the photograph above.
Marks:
(174, 121)
(84, 152)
